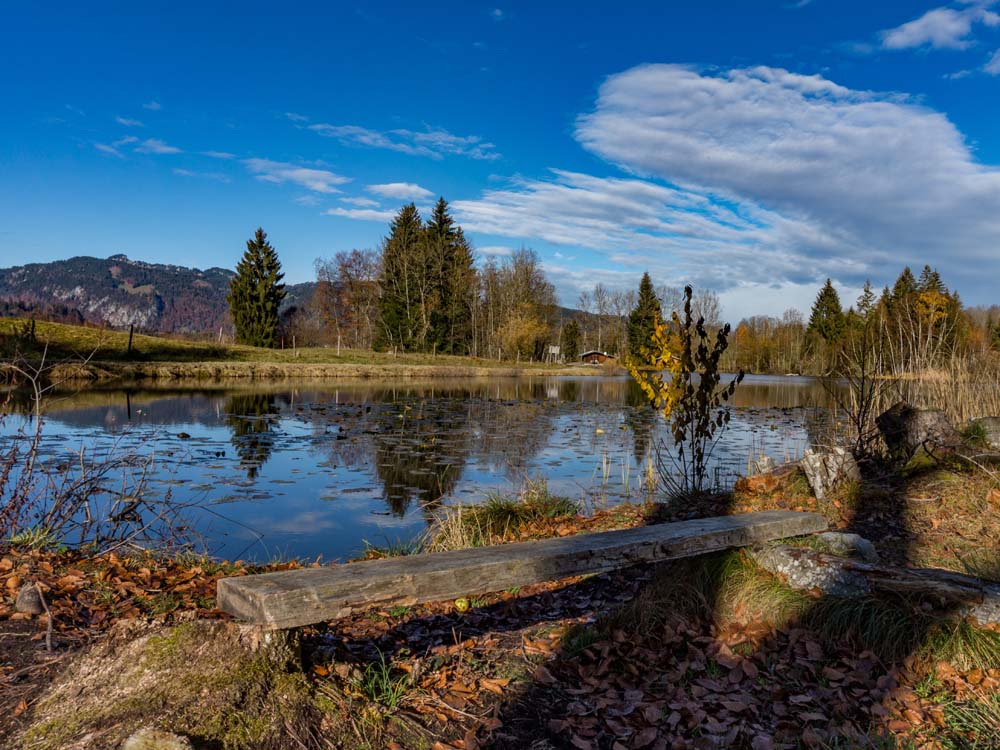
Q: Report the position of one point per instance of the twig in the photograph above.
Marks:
(48, 618)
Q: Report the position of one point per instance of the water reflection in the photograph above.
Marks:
(315, 468)
(251, 417)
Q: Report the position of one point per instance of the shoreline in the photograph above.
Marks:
(128, 372)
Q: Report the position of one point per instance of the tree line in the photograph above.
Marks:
(422, 291)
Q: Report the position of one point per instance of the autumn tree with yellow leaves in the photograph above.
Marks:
(679, 372)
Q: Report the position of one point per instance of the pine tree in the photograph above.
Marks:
(571, 341)
(256, 293)
(930, 281)
(643, 319)
(904, 289)
(400, 281)
(866, 302)
(449, 259)
(827, 317)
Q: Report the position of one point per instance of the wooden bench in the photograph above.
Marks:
(302, 597)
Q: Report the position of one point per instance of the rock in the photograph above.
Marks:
(989, 428)
(154, 739)
(949, 594)
(797, 567)
(184, 435)
(906, 429)
(827, 469)
(849, 545)
(29, 600)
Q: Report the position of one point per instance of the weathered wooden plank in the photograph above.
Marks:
(302, 597)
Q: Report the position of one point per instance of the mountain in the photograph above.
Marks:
(121, 292)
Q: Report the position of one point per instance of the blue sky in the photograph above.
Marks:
(754, 148)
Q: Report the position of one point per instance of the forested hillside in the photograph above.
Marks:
(121, 292)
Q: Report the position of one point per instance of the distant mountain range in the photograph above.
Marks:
(121, 292)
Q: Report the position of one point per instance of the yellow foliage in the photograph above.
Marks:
(648, 371)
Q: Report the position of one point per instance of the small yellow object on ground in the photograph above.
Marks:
(462, 605)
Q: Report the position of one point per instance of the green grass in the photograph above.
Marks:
(380, 684)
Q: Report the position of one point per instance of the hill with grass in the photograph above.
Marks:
(119, 292)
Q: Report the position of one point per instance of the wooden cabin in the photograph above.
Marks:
(595, 357)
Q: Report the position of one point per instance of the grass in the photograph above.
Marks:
(109, 355)
(730, 587)
(380, 684)
(500, 519)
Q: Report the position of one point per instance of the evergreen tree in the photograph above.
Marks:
(904, 289)
(930, 281)
(827, 318)
(256, 293)
(643, 319)
(866, 302)
(571, 341)
(400, 281)
(449, 259)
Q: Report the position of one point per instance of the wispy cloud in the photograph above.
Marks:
(495, 250)
(498, 14)
(363, 202)
(296, 117)
(993, 66)
(307, 200)
(109, 150)
(218, 154)
(125, 140)
(129, 123)
(217, 176)
(317, 180)
(433, 142)
(156, 146)
(154, 106)
(941, 28)
(400, 191)
(364, 214)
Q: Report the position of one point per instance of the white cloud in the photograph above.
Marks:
(156, 146)
(993, 66)
(941, 28)
(497, 14)
(154, 106)
(217, 176)
(433, 142)
(219, 154)
(307, 200)
(400, 190)
(498, 250)
(129, 123)
(364, 214)
(874, 177)
(363, 202)
(104, 148)
(769, 179)
(317, 180)
(124, 141)
(295, 117)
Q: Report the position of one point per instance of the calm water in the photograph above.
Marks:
(316, 469)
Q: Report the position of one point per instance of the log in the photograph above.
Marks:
(303, 597)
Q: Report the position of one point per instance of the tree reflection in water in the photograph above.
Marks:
(251, 418)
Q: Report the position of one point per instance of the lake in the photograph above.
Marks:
(316, 469)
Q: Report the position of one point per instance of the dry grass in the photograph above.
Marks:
(498, 520)
(175, 358)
